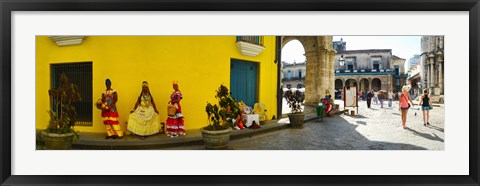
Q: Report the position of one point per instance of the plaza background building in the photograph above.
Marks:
(370, 69)
(293, 75)
(200, 64)
(375, 69)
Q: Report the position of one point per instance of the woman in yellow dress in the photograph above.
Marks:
(144, 119)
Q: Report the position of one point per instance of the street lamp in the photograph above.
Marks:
(342, 61)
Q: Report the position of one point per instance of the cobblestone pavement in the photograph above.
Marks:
(371, 129)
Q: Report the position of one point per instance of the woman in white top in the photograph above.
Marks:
(390, 98)
(375, 97)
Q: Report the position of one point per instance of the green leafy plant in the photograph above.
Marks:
(62, 109)
(294, 100)
(220, 115)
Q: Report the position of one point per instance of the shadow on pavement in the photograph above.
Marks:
(425, 135)
(332, 134)
(436, 128)
(362, 122)
(358, 116)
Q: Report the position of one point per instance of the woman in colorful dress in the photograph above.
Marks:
(175, 123)
(144, 119)
(109, 111)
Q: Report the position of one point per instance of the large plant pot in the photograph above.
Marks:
(297, 120)
(55, 141)
(216, 139)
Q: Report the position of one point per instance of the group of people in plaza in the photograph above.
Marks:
(403, 97)
(144, 119)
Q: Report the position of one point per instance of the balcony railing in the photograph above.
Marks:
(360, 71)
(293, 79)
(251, 39)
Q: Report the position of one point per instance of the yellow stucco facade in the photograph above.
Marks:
(199, 63)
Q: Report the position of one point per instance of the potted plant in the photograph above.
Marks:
(217, 134)
(294, 101)
(59, 134)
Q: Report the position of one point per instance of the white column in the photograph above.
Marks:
(440, 76)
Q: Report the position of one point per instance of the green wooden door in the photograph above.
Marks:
(243, 81)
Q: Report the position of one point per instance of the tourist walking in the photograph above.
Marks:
(381, 97)
(390, 98)
(426, 103)
(404, 106)
(375, 98)
(369, 98)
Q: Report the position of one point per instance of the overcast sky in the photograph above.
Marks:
(402, 46)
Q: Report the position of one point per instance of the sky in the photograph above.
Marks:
(402, 46)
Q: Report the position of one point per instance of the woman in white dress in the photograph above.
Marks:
(144, 119)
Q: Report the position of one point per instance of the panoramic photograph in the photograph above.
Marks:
(239, 92)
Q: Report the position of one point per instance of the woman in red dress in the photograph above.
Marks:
(109, 112)
(175, 123)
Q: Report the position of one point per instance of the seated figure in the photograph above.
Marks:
(144, 119)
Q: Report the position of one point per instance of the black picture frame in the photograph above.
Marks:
(8, 6)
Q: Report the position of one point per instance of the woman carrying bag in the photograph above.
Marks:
(426, 103)
(404, 106)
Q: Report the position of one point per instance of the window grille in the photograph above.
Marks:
(80, 74)
(251, 39)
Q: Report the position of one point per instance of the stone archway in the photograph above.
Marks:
(338, 84)
(319, 75)
(364, 84)
(376, 84)
(351, 82)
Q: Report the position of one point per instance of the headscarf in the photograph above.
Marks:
(145, 83)
(108, 81)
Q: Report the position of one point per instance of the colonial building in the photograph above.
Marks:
(413, 61)
(293, 75)
(432, 66)
(245, 64)
(340, 46)
(414, 81)
(372, 69)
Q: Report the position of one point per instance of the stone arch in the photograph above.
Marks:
(376, 84)
(364, 84)
(338, 84)
(319, 75)
(351, 82)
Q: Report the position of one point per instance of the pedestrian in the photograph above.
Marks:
(375, 97)
(369, 98)
(381, 97)
(390, 98)
(109, 112)
(404, 106)
(361, 95)
(426, 103)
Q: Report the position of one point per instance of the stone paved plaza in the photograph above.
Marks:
(371, 129)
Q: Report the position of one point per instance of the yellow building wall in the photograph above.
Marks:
(199, 63)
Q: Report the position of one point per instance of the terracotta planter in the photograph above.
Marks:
(297, 120)
(55, 141)
(216, 139)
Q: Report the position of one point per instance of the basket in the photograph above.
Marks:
(171, 110)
